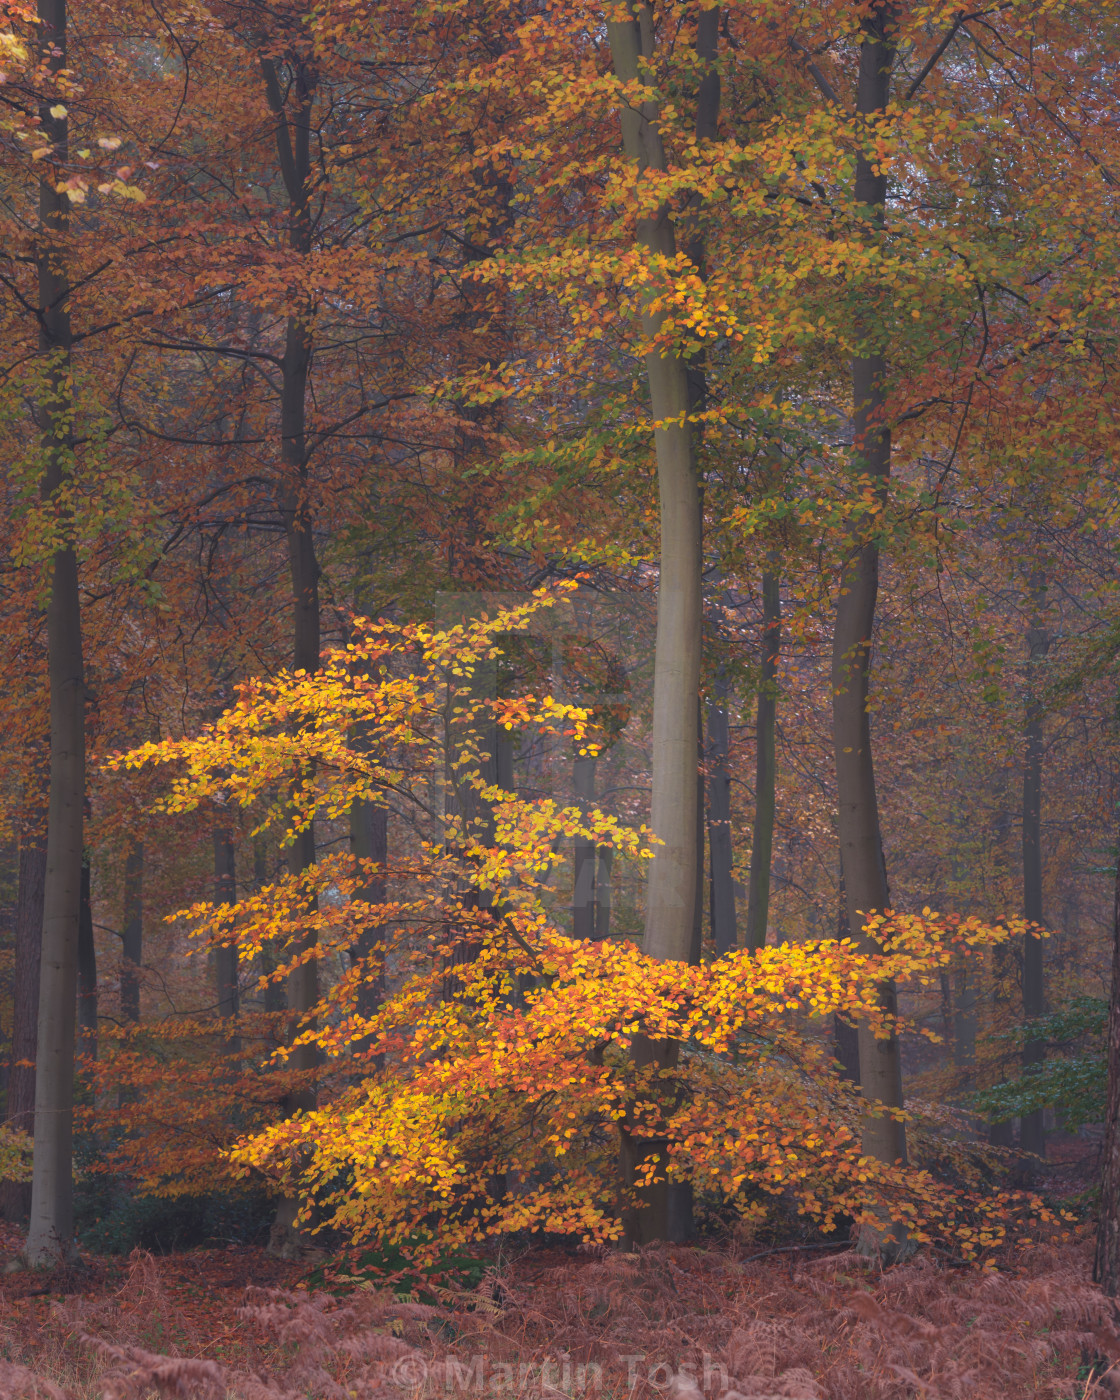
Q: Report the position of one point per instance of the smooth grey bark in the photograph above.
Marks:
(15, 1196)
(225, 892)
(673, 873)
(865, 877)
(671, 886)
(51, 1232)
(1106, 1262)
(721, 913)
(845, 1033)
(1032, 1137)
(87, 970)
(762, 842)
(584, 853)
(603, 892)
(132, 936)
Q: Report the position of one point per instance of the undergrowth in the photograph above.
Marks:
(687, 1324)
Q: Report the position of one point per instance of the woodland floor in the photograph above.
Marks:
(727, 1320)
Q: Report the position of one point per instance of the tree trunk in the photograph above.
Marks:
(865, 876)
(722, 913)
(225, 892)
(845, 1033)
(275, 998)
(762, 844)
(1032, 1137)
(673, 872)
(15, 1196)
(584, 907)
(369, 840)
(603, 892)
(1106, 1264)
(670, 892)
(51, 1230)
(132, 938)
(292, 111)
(87, 971)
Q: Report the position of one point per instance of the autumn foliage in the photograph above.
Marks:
(486, 1089)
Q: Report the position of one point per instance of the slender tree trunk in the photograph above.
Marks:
(1032, 1137)
(673, 873)
(845, 1033)
(52, 1211)
(275, 998)
(762, 844)
(225, 892)
(670, 895)
(584, 907)
(603, 892)
(858, 814)
(132, 940)
(15, 1196)
(722, 913)
(293, 146)
(1106, 1264)
(87, 971)
(293, 141)
(369, 841)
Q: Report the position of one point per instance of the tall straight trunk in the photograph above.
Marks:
(225, 892)
(132, 938)
(275, 998)
(721, 912)
(1106, 1263)
(1032, 1137)
(865, 876)
(845, 1033)
(762, 844)
(87, 970)
(292, 111)
(51, 1230)
(673, 872)
(15, 1196)
(293, 145)
(584, 854)
(369, 841)
(603, 892)
(671, 888)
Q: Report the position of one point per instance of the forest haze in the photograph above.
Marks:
(560, 619)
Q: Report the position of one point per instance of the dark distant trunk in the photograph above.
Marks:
(584, 854)
(865, 877)
(1032, 1137)
(225, 957)
(1106, 1265)
(722, 913)
(762, 845)
(1003, 973)
(369, 841)
(15, 1196)
(274, 995)
(132, 938)
(292, 108)
(87, 972)
(51, 1231)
